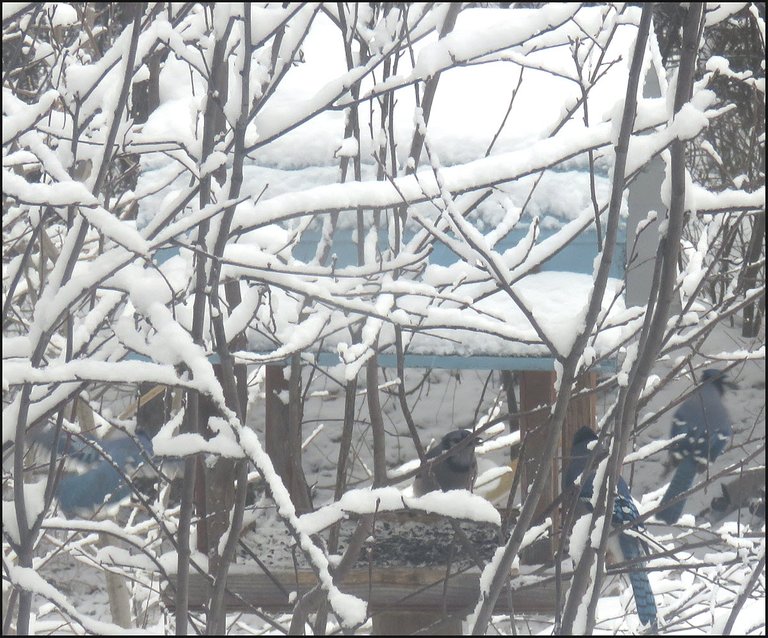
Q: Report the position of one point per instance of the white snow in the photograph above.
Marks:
(128, 294)
(63, 15)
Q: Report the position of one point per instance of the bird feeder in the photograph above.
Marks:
(555, 290)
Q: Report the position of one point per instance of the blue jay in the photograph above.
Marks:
(99, 480)
(707, 428)
(456, 472)
(629, 547)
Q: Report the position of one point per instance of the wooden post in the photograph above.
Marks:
(276, 426)
(283, 436)
(216, 484)
(508, 383)
(280, 439)
(537, 389)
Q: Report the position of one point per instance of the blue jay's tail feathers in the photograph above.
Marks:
(682, 480)
(624, 511)
(646, 605)
(632, 548)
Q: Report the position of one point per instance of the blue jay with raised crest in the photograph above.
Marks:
(629, 547)
(456, 472)
(704, 421)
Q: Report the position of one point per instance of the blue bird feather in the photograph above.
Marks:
(624, 511)
(706, 426)
(97, 481)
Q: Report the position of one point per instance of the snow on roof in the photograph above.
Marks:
(471, 100)
(493, 326)
(301, 167)
(469, 107)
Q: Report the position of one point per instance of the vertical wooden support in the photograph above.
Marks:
(153, 408)
(216, 484)
(508, 383)
(213, 497)
(276, 426)
(299, 488)
(537, 389)
(581, 411)
(283, 435)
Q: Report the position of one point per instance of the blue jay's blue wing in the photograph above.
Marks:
(706, 428)
(624, 511)
(98, 481)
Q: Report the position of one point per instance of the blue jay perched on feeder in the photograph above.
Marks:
(704, 421)
(98, 481)
(629, 546)
(456, 472)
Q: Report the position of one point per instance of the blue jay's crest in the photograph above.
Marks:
(456, 472)
(581, 450)
(718, 378)
(706, 426)
(463, 459)
(624, 511)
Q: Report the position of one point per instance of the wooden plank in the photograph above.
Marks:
(399, 623)
(582, 410)
(406, 589)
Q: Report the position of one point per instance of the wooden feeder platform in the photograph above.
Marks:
(385, 589)
(402, 598)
